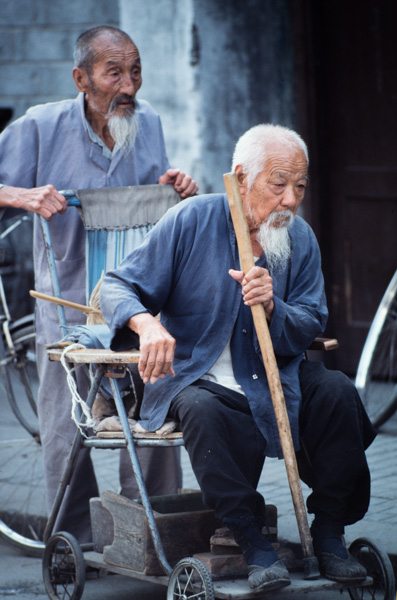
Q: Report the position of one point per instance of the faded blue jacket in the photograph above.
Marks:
(181, 269)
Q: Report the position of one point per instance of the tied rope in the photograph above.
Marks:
(77, 400)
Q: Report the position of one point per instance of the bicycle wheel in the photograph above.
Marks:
(379, 568)
(190, 579)
(21, 367)
(23, 512)
(376, 378)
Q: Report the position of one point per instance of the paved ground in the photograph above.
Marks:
(20, 576)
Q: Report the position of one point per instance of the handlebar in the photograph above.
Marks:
(70, 197)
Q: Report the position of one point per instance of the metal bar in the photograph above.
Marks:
(71, 462)
(53, 272)
(158, 546)
(56, 288)
(71, 197)
(14, 226)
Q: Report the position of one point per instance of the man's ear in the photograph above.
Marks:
(81, 79)
(241, 178)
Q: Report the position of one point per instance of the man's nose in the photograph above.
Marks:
(289, 199)
(128, 86)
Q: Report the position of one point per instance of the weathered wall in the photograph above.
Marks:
(161, 29)
(36, 47)
(212, 70)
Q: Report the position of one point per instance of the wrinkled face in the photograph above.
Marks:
(278, 190)
(115, 79)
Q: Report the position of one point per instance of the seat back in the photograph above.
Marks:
(116, 221)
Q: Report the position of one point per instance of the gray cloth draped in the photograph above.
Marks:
(136, 206)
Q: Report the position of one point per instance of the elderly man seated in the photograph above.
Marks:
(202, 364)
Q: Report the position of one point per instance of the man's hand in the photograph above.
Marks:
(157, 347)
(184, 184)
(45, 201)
(257, 288)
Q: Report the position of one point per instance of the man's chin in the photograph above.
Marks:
(280, 223)
(123, 110)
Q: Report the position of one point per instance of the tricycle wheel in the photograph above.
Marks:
(190, 579)
(378, 566)
(63, 567)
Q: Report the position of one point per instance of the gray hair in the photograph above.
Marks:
(84, 53)
(252, 147)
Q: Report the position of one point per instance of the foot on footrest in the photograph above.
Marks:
(268, 578)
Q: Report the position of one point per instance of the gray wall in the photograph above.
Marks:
(36, 47)
(212, 70)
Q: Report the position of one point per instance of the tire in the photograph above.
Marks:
(22, 367)
(379, 568)
(23, 511)
(190, 579)
(376, 378)
(63, 567)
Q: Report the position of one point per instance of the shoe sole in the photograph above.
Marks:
(345, 579)
(271, 585)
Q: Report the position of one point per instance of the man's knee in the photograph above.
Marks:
(315, 378)
(327, 393)
(195, 403)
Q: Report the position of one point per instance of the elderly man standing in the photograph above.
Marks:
(188, 268)
(105, 137)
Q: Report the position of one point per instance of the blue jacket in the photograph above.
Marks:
(181, 269)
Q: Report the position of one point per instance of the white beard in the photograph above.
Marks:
(124, 131)
(274, 239)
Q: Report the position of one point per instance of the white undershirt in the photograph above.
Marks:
(221, 371)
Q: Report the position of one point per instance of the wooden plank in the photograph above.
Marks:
(101, 525)
(95, 356)
(175, 435)
(230, 589)
(324, 344)
(95, 559)
(238, 589)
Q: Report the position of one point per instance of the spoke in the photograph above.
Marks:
(189, 577)
(198, 595)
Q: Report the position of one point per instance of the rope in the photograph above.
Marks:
(77, 401)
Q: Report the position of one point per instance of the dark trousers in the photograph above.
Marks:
(227, 450)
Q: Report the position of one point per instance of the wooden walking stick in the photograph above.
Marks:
(258, 313)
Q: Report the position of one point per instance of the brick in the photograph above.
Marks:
(57, 79)
(22, 12)
(223, 565)
(21, 79)
(48, 44)
(78, 12)
(10, 44)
